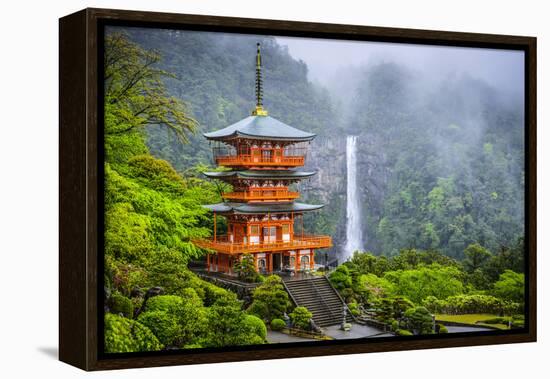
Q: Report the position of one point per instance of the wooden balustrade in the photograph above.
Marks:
(262, 194)
(223, 244)
(260, 160)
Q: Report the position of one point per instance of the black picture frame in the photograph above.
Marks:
(81, 181)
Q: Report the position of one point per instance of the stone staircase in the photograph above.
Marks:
(320, 298)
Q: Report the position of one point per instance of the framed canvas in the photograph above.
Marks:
(241, 189)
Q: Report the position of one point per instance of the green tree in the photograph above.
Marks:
(375, 286)
(175, 320)
(476, 257)
(269, 300)
(135, 91)
(391, 308)
(228, 325)
(368, 263)
(123, 335)
(511, 287)
(419, 320)
(435, 280)
(119, 304)
(245, 270)
(341, 278)
(301, 317)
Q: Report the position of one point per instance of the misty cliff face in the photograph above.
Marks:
(328, 158)
(440, 163)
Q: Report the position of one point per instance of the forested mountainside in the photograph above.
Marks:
(440, 158)
(441, 165)
(152, 300)
(215, 75)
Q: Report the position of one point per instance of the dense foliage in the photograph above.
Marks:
(245, 270)
(406, 286)
(214, 74)
(301, 318)
(269, 299)
(451, 172)
(151, 215)
(123, 335)
(277, 324)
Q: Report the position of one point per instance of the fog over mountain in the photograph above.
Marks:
(328, 59)
(439, 130)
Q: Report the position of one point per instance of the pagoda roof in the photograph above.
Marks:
(260, 174)
(246, 208)
(260, 127)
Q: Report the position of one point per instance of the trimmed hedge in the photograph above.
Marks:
(277, 324)
(468, 304)
(119, 304)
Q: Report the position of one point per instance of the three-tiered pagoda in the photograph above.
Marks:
(263, 154)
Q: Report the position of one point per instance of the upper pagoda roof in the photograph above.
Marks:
(260, 127)
(245, 208)
(260, 174)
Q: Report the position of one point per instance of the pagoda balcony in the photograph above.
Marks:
(263, 194)
(247, 160)
(223, 244)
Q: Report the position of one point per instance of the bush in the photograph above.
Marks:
(277, 324)
(442, 329)
(300, 317)
(403, 332)
(394, 325)
(466, 304)
(228, 325)
(354, 309)
(434, 280)
(256, 325)
(212, 293)
(347, 294)
(120, 304)
(341, 278)
(269, 299)
(496, 320)
(517, 323)
(123, 335)
(175, 320)
(394, 307)
(518, 317)
(510, 286)
(164, 326)
(419, 319)
(245, 269)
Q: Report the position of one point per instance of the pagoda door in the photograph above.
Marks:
(277, 261)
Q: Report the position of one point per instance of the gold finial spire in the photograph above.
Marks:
(259, 110)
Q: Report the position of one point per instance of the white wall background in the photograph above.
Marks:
(28, 189)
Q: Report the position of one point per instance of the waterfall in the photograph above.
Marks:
(354, 237)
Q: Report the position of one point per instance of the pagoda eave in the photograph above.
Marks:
(235, 136)
(261, 174)
(261, 128)
(228, 208)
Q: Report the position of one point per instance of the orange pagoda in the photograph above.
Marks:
(263, 154)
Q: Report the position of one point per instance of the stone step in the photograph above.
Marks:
(320, 298)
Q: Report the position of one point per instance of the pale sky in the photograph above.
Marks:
(503, 69)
